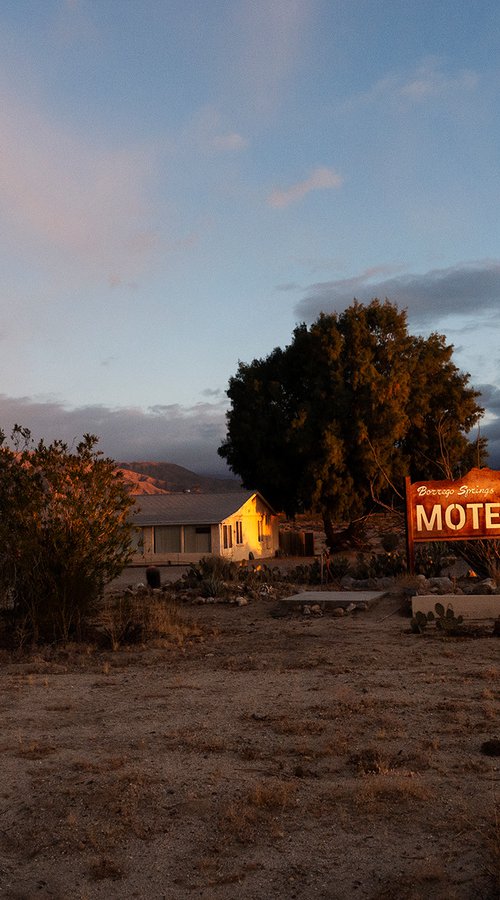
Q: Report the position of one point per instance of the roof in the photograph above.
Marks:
(189, 509)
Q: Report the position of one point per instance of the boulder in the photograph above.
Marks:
(441, 585)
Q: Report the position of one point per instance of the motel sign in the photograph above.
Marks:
(462, 510)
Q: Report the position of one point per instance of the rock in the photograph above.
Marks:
(384, 584)
(488, 586)
(443, 585)
(338, 612)
(481, 587)
(350, 608)
(365, 584)
(347, 582)
(241, 601)
(491, 748)
(306, 610)
(316, 610)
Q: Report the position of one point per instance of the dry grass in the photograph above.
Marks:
(388, 791)
(262, 808)
(126, 618)
(33, 749)
(258, 763)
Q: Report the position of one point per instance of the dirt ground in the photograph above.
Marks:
(265, 757)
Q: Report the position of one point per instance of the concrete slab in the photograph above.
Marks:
(332, 599)
(470, 606)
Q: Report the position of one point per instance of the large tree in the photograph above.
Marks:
(335, 420)
(64, 531)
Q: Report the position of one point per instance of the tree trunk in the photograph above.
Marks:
(349, 538)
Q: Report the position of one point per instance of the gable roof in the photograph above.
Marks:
(189, 509)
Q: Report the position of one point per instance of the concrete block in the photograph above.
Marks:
(332, 599)
(470, 606)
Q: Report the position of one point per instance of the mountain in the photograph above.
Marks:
(141, 484)
(163, 478)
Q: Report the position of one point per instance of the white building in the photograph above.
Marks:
(183, 527)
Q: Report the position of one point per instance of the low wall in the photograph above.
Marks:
(470, 606)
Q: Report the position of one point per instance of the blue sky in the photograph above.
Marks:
(182, 182)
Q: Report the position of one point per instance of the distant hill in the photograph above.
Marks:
(163, 477)
(141, 484)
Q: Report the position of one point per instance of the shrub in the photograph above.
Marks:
(211, 567)
(381, 565)
(431, 558)
(128, 619)
(483, 557)
(64, 532)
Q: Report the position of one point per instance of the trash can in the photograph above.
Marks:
(153, 577)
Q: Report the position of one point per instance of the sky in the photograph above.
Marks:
(182, 182)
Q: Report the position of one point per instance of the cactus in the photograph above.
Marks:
(420, 621)
(445, 620)
(448, 622)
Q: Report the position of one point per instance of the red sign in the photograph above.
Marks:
(455, 510)
(462, 510)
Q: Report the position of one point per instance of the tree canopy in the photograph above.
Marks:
(335, 420)
(64, 531)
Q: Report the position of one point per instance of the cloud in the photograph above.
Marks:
(426, 82)
(288, 286)
(206, 133)
(463, 289)
(490, 399)
(429, 81)
(229, 142)
(74, 199)
(188, 436)
(321, 178)
(272, 34)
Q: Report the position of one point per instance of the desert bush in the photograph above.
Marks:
(64, 532)
(483, 557)
(335, 567)
(128, 619)
(431, 558)
(213, 586)
(211, 567)
(390, 541)
(309, 573)
(379, 565)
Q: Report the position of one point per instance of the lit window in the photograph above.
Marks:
(239, 532)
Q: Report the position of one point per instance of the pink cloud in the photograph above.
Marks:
(320, 179)
(73, 199)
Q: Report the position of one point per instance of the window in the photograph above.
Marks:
(260, 530)
(137, 543)
(197, 539)
(167, 539)
(239, 532)
(227, 536)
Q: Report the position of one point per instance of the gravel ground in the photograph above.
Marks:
(254, 757)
